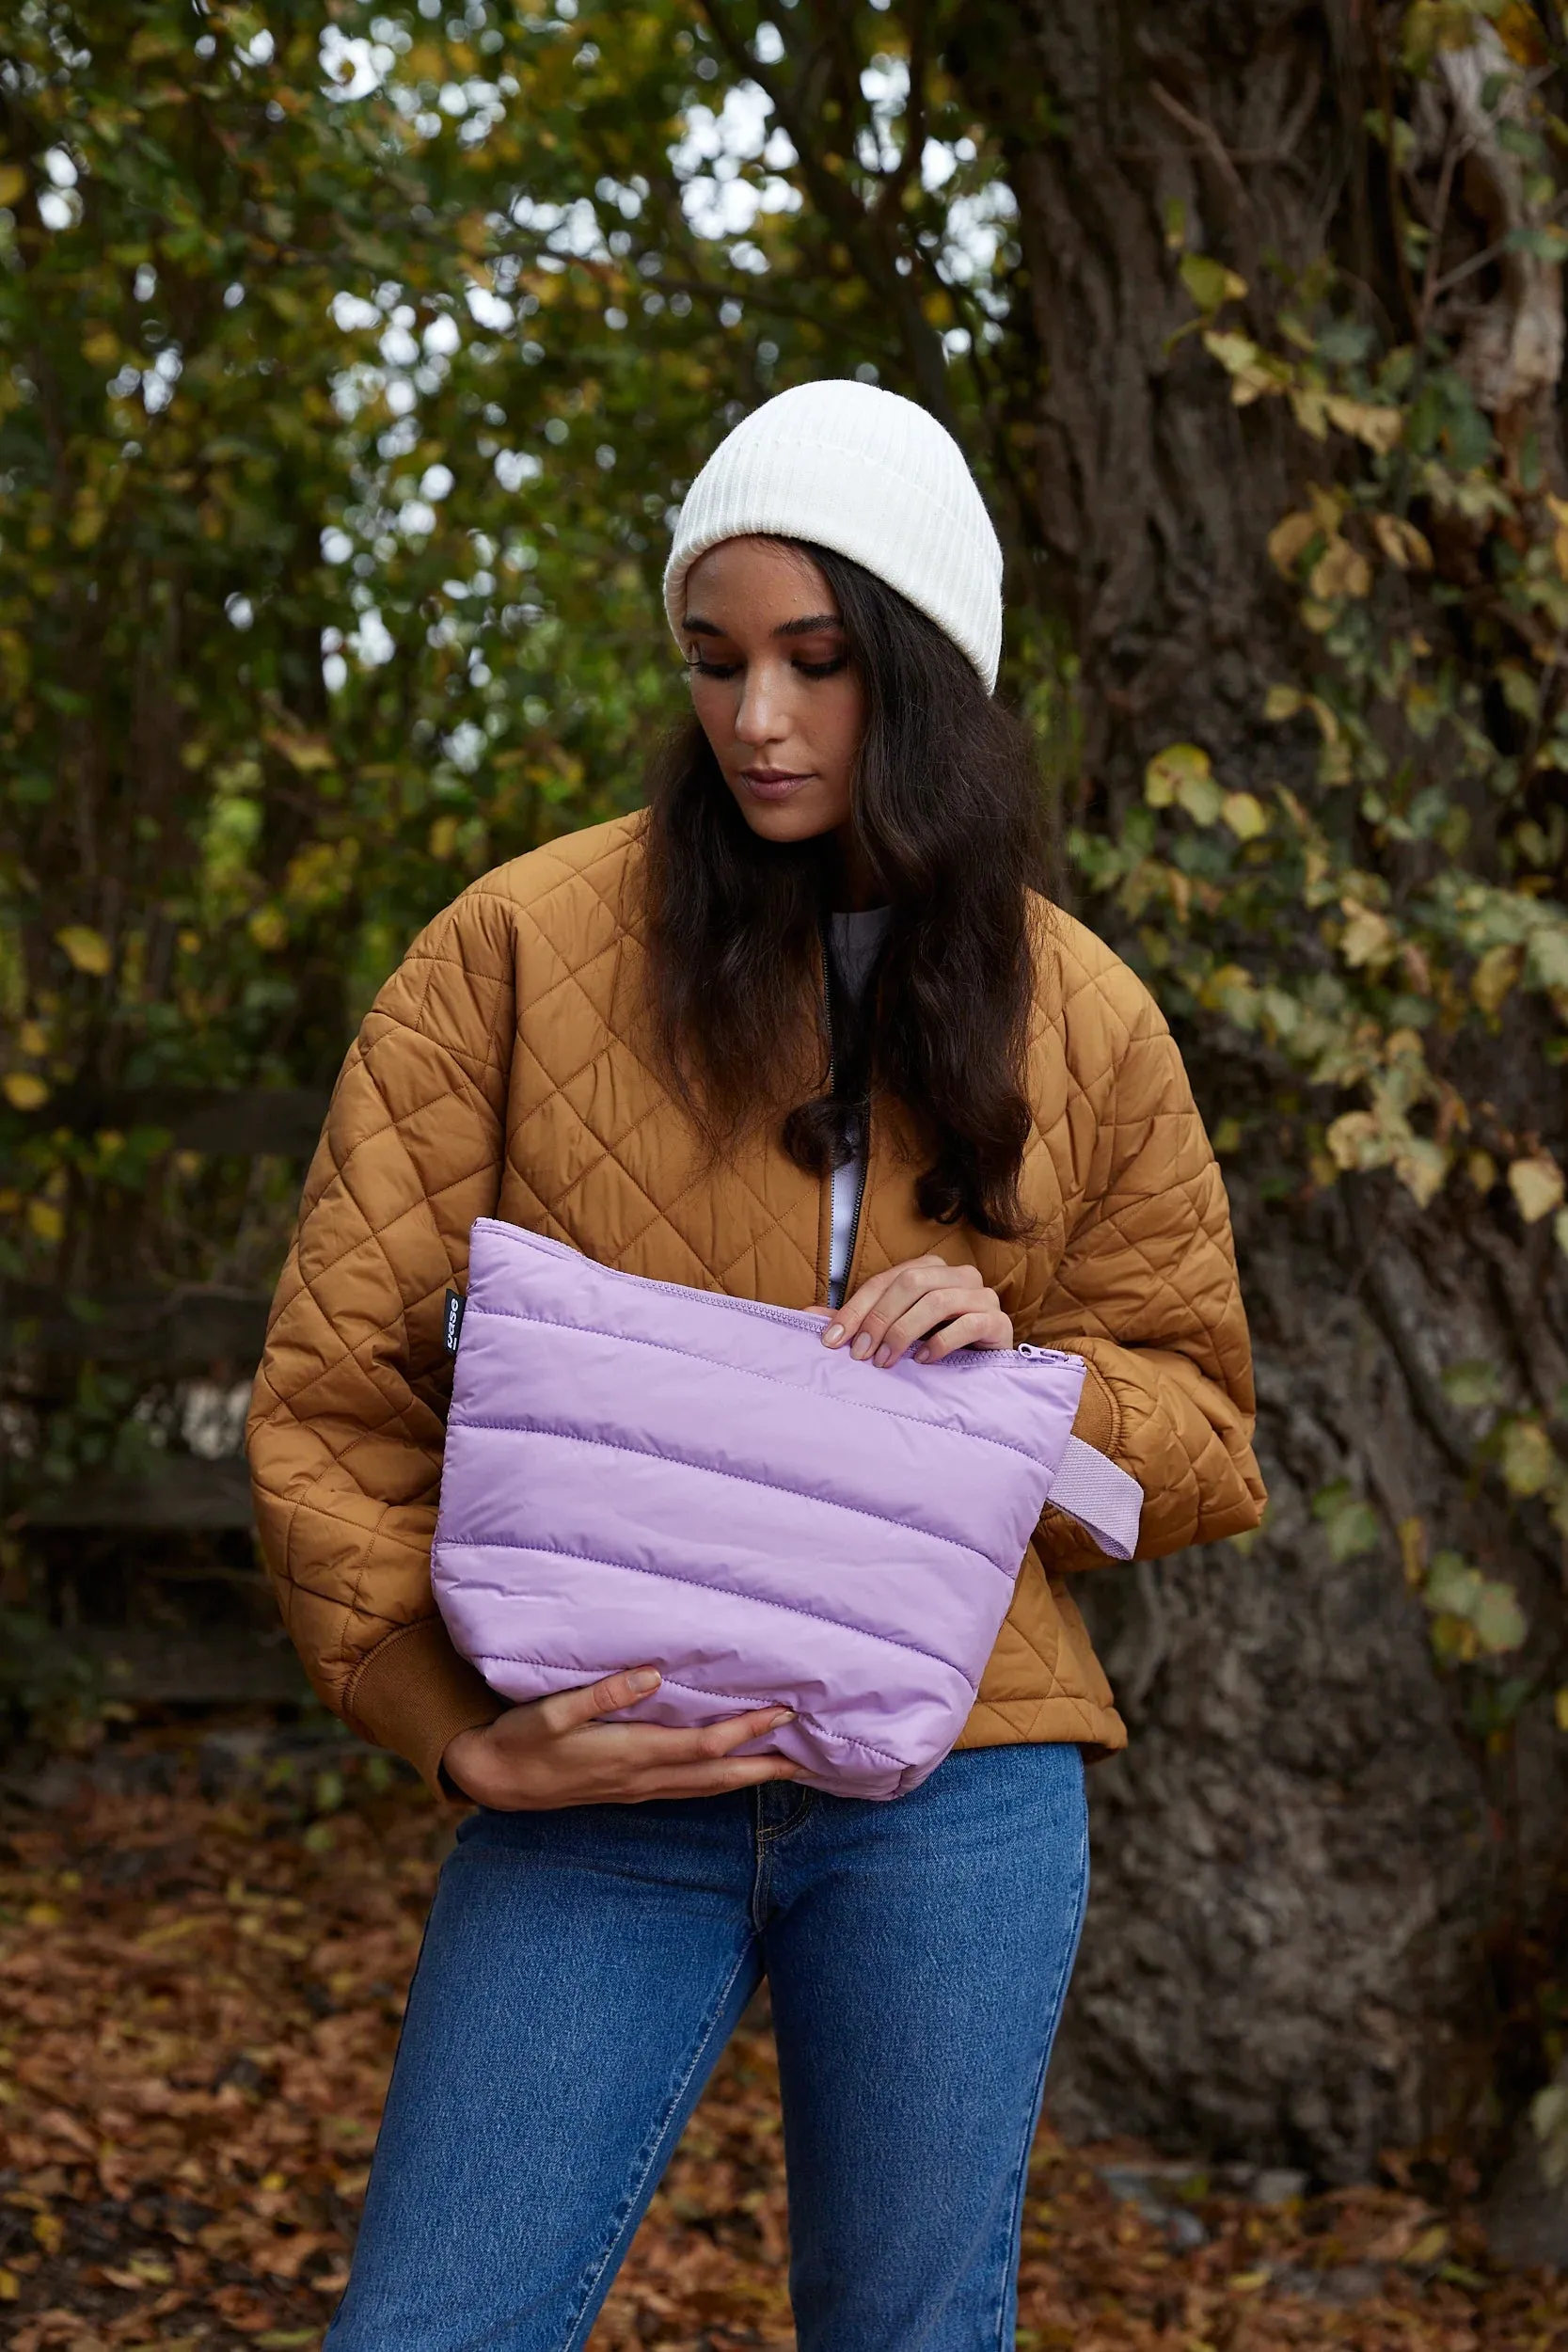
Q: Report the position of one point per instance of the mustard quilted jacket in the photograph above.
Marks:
(497, 1075)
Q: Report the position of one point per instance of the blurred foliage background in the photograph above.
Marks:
(353, 363)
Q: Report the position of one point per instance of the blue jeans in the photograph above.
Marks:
(581, 1972)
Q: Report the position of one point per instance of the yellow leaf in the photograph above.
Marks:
(1287, 542)
(1283, 702)
(1429, 2248)
(269, 928)
(88, 950)
(1309, 407)
(1402, 543)
(1413, 1551)
(1356, 1140)
(307, 753)
(10, 2286)
(1252, 372)
(1367, 937)
(45, 1220)
(1560, 1231)
(1527, 1459)
(100, 346)
(33, 1038)
(1560, 1709)
(1169, 770)
(22, 1090)
(1342, 570)
(1516, 27)
(1328, 506)
(1493, 975)
(1245, 814)
(1378, 427)
(48, 2228)
(1248, 2281)
(1202, 799)
(1537, 1186)
(1482, 1168)
(1422, 1167)
(13, 183)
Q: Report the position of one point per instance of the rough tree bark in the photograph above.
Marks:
(1317, 1890)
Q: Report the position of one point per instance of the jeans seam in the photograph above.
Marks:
(762, 1868)
(586, 2305)
(1015, 2216)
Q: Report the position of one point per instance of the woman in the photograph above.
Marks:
(806, 1031)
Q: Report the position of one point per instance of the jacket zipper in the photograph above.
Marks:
(860, 1197)
(865, 1156)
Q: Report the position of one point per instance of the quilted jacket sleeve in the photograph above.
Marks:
(1147, 1289)
(348, 1414)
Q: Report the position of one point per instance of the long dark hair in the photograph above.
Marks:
(949, 810)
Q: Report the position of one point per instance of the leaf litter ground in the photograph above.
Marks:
(199, 2000)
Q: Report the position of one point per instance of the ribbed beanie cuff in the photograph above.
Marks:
(870, 475)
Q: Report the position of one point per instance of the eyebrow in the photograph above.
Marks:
(810, 626)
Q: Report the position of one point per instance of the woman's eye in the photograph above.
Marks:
(700, 667)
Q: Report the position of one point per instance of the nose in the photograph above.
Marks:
(761, 716)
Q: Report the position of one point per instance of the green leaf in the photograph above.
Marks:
(1490, 1610)
(1209, 281)
(1178, 767)
(1349, 1524)
(1473, 1384)
(1548, 244)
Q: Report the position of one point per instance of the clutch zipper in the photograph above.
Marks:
(798, 1318)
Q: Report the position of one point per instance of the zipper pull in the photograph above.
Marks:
(1042, 1355)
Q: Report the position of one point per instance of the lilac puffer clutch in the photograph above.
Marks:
(637, 1473)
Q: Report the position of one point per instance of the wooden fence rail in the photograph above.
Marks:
(160, 1333)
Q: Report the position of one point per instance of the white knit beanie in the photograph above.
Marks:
(870, 475)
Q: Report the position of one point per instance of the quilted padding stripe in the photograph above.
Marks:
(570, 1609)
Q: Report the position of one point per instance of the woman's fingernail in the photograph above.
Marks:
(644, 1679)
(884, 1356)
(860, 1346)
(832, 1335)
(923, 1355)
(785, 1715)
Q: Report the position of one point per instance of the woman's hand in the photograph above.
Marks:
(555, 1752)
(924, 1304)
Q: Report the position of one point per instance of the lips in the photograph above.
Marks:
(772, 784)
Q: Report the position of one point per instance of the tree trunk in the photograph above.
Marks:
(1320, 1890)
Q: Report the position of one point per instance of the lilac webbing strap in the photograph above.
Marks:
(1091, 1489)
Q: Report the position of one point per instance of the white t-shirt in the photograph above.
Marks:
(855, 941)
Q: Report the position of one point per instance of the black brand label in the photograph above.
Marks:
(453, 1322)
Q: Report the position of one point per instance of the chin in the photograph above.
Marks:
(802, 820)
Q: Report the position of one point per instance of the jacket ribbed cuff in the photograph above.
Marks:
(413, 1695)
(1097, 1421)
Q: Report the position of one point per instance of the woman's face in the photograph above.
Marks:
(773, 687)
